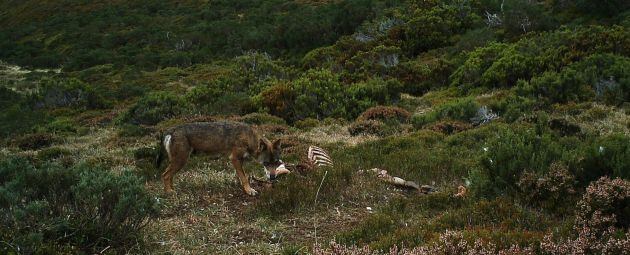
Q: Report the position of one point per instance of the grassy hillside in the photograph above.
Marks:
(523, 103)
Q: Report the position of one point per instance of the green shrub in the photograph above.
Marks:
(606, 8)
(153, 108)
(17, 114)
(319, 94)
(502, 65)
(278, 100)
(606, 156)
(306, 124)
(420, 76)
(145, 152)
(508, 155)
(602, 77)
(261, 118)
(433, 23)
(61, 125)
(220, 96)
(463, 109)
(363, 95)
(131, 130)
(513, 107)
(69, 93)
(53, 153)
(81, 208)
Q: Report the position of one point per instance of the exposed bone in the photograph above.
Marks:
(461, 191)
(282, 169)
(319, 157)
(384, 176)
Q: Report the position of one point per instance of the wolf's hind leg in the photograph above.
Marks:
(178, 156)
(237, 162)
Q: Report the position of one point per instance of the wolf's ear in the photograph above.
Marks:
(263, 144)
(277, 145)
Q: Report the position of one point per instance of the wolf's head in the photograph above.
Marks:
(270, 156)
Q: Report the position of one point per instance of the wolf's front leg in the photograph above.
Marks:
(237, 161)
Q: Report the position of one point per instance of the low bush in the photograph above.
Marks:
(363, 95)
(78, 209)
(319, 94)
(278, 100)
(603, 77)
(261, 118)
(463, 109)
(145, 152)
(62, 125)
(602, 217)
(18, 115)
(367, 127)
(53, 153)
(131, 130)
(220, 96)
(553, 190)
(153, 108)
(34, 141)
(385, 113)
(306, 124)
(450, 127)
(606, 156)
(609, 198)
(508, 154)
(69, 93)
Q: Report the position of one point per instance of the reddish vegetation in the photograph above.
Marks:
(450, 126)
(385, 113)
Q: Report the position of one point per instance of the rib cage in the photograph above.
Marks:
(319, 157)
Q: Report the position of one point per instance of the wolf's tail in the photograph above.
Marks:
(161, 151)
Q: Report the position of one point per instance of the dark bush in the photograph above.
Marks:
(145, 152)
(153, 108)
(69, 93)
(53, 153)
(35, 141)
(385, 113)
(261, 118)
(608, 198)
(606, 156)
(450, 127)
(306, 124)
(82, 208)
(131, 130)
(278, 100)
(433, 24)
(554, 190)
(367, 127)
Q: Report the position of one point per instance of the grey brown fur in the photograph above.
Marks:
(238, 140)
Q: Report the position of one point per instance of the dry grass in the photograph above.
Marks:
(334, 134)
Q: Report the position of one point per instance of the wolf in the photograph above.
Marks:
(238, 140)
